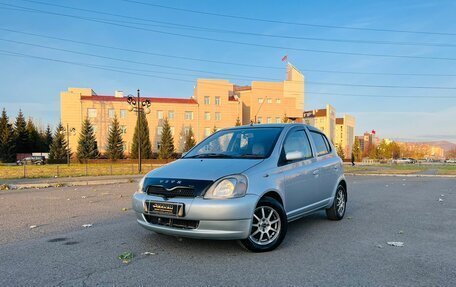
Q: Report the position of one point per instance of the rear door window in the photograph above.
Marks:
(321, 143)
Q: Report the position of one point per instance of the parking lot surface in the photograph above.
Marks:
(59, 251)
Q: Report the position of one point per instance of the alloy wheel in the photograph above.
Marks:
(266, 225)
(340, 202)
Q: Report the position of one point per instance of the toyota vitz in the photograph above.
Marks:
(244, 183)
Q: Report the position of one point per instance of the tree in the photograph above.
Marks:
(59, 149)
(285, 118)
(189, 140)
(47, 139)
(214, 130)
(356, 151)
(114, 148)
(34, 139)
(167, 142)
(143, 131)
(340, 152)
(20, 134)
(395, 150)
(238, 122)
(87, 143)
(7, 140)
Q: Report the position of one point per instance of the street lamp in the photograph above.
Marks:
(67, 130)
(137, 105)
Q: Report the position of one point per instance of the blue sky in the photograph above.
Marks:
(34, 84)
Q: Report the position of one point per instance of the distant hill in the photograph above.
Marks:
(446, 145)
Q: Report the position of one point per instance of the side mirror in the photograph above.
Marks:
(293, 155)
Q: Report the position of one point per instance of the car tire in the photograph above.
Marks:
(268, 217)
(339, 206)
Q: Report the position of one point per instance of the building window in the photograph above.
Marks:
(269, 120)
(217, 101)
(111, 113)
(207, 132)
(218, 116)
(207, 100)
(260, 100)
(160, 115)
(260, 120)
(269, 100)
(159, 131)
(123, 114)
(123, 129)
(171, 115)
(186, 131)
(95, 128)
(92, 113)
(207, 116)
(189, 115)
(278, 120)
(278, 101)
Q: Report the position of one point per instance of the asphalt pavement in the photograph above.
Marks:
(59, 251)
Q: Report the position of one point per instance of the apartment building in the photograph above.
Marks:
(345, 134)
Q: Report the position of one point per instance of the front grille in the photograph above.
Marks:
(178, 191)
(172, 222)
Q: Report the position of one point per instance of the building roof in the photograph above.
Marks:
(339, 121)
(241, 88)
(315, 113)
(152, 100)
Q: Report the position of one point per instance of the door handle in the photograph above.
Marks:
(316, 172)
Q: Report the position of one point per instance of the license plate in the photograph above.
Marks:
(165, 208)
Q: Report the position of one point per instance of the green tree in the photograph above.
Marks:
(87, 143)
(114, 148)
(238, 122)
(356, 150)
(285, 118)
(189, 140)
(167, 142)
(340, 152)
(59, 149)
(34, 139)
(47, 139)
(7, 140)
(143, 131)
(20, 134)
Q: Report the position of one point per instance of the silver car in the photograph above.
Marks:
(245, 183)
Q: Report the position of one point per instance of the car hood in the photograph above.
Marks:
(205, 169)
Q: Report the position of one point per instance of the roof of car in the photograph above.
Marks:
(273, 126)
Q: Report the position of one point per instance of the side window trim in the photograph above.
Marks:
(282, 161)
(326, 141)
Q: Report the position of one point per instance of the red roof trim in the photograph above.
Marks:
(152, 100)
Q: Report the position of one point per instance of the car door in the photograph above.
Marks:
(328, 165)
(299, 179)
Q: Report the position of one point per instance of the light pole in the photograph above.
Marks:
(138, 106)
(67, 130)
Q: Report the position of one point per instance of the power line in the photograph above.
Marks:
(235, 75)
(217, 30)
(222, 62)
(111, 22)
(288, 22)
(120, 70)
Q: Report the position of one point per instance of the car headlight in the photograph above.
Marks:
(141, 185)
(228, 187)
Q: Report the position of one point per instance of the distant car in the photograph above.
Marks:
(451, 160)
(404, 160)
(38, 160)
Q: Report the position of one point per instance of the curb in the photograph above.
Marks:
(402, 175)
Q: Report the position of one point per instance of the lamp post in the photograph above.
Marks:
(67, 130)
(137, 105)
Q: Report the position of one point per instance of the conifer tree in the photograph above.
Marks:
(356, 150)
(238, 122)
(87, 143)
(340, 152)
(285, 118)
(114, 148)
(34, 140)
(20, 134)
(7, 140)
(214, 130)
(58, 149)
(189, 140)
(167, 141)
(47, 139)
(143, 130)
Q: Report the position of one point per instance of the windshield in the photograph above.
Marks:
(237, 143)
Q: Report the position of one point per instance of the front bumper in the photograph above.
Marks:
(226, 219)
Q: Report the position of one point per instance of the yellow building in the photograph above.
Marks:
(323, 119)
(214, 104)
(345, 134)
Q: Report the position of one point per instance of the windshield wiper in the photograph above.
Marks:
(211, 155)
